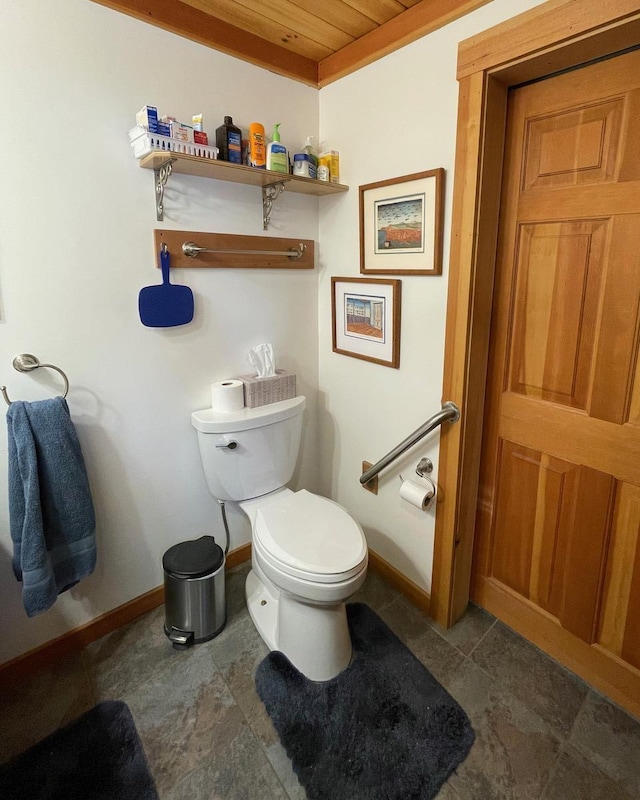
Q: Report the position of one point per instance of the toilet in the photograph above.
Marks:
(309, 555)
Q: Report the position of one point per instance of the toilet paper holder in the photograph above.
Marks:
(429, 480)
(424, 466)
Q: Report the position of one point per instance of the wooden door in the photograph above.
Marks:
(557, 548)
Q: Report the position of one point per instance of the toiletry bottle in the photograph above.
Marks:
(305, 163)
(324, 173)
(229, 142)
(277, 158)
(257, 154)
(245, 147)
(308, 149)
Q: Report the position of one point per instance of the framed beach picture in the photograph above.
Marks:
(401, 225)
(365, 314)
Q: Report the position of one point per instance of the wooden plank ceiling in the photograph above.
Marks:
(313, 41)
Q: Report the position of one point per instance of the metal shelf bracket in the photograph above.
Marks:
(270, 193)
(161, 176)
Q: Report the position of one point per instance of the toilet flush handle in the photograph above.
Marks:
(228, 445)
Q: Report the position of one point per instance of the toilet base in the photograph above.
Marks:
(314, 638)
(263, 608)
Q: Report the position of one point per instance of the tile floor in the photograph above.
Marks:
(541, 732)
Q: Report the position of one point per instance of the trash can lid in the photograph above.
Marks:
(193, 559)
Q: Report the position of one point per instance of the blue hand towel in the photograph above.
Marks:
(52, 520)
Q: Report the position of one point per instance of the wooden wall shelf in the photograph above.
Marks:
(272, 183)
(224, 171)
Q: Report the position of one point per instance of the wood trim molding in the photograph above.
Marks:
(419, 597)
(75, 640)
(418, 21)
(193, 24)
(557, 34)
(551, 29)
(50, 652)
(72, 641)
(239, 555)
(473, 245)
(185, 20)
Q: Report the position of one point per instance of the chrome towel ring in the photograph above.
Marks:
(25, 362)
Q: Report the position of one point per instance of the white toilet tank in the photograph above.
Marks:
(250, 452)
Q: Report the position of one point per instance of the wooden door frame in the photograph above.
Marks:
(554, 36)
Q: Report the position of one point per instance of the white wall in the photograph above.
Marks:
(76, 246)
(392, 118)
(76, 222)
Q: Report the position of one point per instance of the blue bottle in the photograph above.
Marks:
(229, 142)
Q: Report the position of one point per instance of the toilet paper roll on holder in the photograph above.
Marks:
(418, 495)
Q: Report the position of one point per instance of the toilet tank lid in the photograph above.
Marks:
(210, 421)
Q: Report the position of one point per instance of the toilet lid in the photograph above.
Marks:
(310, 533)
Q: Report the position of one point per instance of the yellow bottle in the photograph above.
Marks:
(257, 150)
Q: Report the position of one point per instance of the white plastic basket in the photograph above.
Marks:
(144, 143)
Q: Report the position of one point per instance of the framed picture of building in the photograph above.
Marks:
(401, 225)
(365, 314)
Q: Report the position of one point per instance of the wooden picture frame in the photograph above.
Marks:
(365, 317)
(402, 224)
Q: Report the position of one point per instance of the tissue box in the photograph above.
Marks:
(261, 391)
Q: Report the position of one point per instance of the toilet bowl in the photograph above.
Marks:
(309, 555)
(298, 584)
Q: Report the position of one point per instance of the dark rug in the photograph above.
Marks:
(383, 729)
(97, 757)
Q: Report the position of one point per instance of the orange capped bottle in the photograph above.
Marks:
(257, 148)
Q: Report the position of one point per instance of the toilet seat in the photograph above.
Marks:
(310, 538)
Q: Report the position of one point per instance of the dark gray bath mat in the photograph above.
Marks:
(97, 757)
(383, 729)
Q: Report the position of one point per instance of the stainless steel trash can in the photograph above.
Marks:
(194, 597)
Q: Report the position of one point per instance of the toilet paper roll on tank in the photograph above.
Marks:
(227, 396)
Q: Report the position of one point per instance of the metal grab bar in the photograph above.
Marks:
(449, 413)
(25, 362)
(192, 250)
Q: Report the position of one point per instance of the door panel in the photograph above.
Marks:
(558, 523)
(562, 515)
(573, 147)
(619, 629)
(558, 276)
(618, 323)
